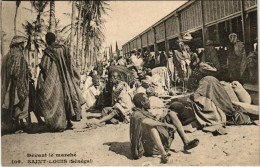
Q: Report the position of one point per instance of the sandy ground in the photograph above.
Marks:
(109, 145)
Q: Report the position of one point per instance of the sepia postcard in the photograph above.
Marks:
(129, 83)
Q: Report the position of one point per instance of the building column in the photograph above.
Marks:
(165, 39)
(217, 34)
(141, 44)
(248, 40)
(155, 44)
(204, 29)
(243, 19)
(148, 48)
(179, 24)
(136, 44)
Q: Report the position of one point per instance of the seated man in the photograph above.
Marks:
(91, 91)
(149, 136)
(121, 103)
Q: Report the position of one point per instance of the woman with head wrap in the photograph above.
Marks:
(15, 87)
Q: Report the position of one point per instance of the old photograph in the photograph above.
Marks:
(129, 83)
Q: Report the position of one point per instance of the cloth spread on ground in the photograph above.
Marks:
(163, 76)
(206, 112)
(58, 95)
(211, 88)
(140, 137)
(212, 104)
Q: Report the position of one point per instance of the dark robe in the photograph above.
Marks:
(236, 61)
(211, 56)
(58, 95)
(212, 104)
(14, 88)
(149, 62)
(163, 60)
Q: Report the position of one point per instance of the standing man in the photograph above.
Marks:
(163, 59)
(58, 96)
(210, 55)
(236, 58)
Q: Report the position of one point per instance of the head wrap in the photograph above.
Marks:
(209, 42)
(18, 40)
(232, 37)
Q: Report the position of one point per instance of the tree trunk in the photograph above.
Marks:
(52, 23)
(15, 16)
(78, 59)
(73, 22)
(86, 55)
(82, 47)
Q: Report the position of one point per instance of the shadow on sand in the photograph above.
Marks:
(121, 148)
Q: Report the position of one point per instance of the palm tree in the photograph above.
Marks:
(89, 18)
(39, 7)
(33, 33)
(78, 60)
(52, 17)
(3, 40)
(73, 22)
(15, 16)
(92, 29)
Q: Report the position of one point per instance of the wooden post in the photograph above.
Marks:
(217, 34)
(179, 23)
(141, 44)
(230, 26)
(204, 30)
(129, 51)
(136, 41)
(243, 20)
(165, 38)
(148, 48)
(155, 44)
(248, 41)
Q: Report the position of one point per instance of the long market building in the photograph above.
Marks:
(203, 19)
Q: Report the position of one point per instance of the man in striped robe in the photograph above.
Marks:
(58, 95)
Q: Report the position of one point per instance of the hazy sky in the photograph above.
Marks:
(125, 20)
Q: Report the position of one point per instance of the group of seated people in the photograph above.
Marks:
(140, 101)
(153, 122)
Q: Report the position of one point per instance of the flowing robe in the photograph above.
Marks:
(14, 88)
(58, 94)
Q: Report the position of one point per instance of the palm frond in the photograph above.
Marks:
(30, 10)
